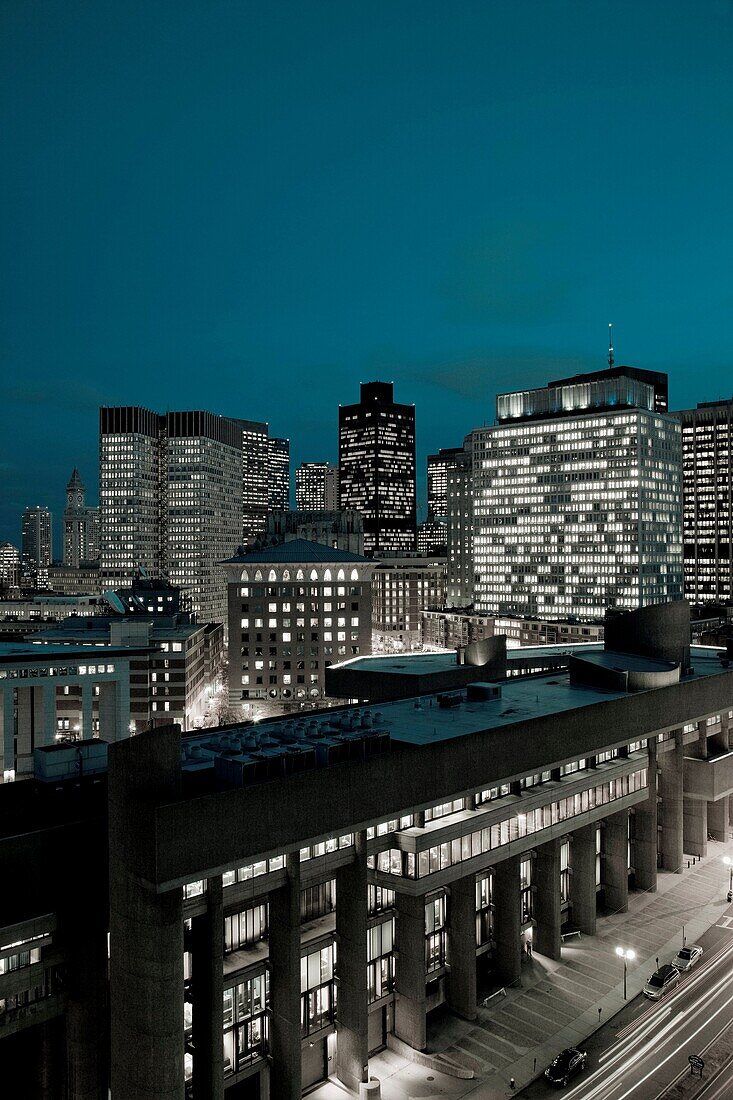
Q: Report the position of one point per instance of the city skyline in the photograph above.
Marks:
(469, 240)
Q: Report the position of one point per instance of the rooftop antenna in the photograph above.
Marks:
(610, 346)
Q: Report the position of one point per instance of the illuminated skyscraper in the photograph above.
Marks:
(437, 469)
(316, 487)
(577, 500)
(36, 546)
(377, 467)
(278, 475)
(255, 467)
(707, 485)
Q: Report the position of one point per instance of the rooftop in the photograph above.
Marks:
(28, 652)
(296, 551)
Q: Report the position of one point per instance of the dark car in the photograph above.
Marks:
(566, 1065)
(660, 981)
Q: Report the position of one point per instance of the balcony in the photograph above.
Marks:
(708, 780)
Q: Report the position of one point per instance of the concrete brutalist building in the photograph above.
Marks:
(283, 898)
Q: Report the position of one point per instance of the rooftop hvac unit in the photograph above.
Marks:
(483, 693)
(449, 702)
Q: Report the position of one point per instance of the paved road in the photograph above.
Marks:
(644, 1048)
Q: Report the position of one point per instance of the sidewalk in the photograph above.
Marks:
(558, 1004)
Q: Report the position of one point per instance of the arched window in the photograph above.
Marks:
(245, 575)
(327, 575)
(286, 574)
(314, 574)
(300, 576)
(341, 575)
(272, 575)
(258, 575)
(354, 575)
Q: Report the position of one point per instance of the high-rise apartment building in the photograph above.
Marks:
(278, 474)
(9, 565)
(255, 467)
(707, 508)
(437, 469)
(171, 500)
(316, 487)
(81, 525)
(577, 500)
(377, 467)
(36, 545)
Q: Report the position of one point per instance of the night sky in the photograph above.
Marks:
(252, 207)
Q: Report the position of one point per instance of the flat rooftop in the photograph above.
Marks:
(423, 664)
(19, 652)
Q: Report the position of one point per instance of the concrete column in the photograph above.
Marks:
(718, 819)
(352, 1060)
(410, 1000)
(461, 985)
(25, 731)
(695, 826)
(87, 707)
(146, 929)
(670, 789)
(286, 1073)
(207, 950)
(86, 1010)
(108, 716)
(720, 742)
(702, 740)
(583, 878)
(48, 1057)
(47, 733)
(645, 830)
(616, 864)
(547, 906)
(7, 716)
(508, 920)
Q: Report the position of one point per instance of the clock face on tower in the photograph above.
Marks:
(79, 498)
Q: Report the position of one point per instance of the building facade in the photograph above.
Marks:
(278, 474)
(377, 467)
(402, 588)
(454, 629)
(707, 507)
(81, 525)
(438, 467)
(461, 575)
(330, 892)
(432, 537)
(577, 511)
(171, 500)
(339, 530)
(294, 608)
(9, 566)
(36, 546)
(255, 478)
(317, 487)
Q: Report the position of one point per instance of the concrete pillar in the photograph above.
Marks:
(695, 826)
(410, 1000)
(207, 951)
(286, 1072)
(87, 707)
(547, 905)
(109, 718)
(25, 731)
(616, 864)
(146, 929)
(86, 1009)
(7, 716)
(461, 985)
(670, 788)
(48, 1061)
(47, 733)
(645, 830)
(352, 1059)
(720, 742)
(583, 878)
(718, 819)
(508, 920)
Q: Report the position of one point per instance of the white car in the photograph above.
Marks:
(687, 957)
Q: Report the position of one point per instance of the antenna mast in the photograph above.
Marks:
(610, 346)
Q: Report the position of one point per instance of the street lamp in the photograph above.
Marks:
(729, 863)
(628, 956)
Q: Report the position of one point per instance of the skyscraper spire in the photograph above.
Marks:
(610, 346)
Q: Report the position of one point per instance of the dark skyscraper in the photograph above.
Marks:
(377, 467)
(707, 436)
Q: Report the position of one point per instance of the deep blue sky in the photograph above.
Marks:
(251, 207)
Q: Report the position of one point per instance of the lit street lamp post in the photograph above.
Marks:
(628, 956)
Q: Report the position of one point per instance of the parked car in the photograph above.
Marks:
(661, 980)
(687, 957)
(566, 1065)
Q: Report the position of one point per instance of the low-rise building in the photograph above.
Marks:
(402, 588)
(449, 629)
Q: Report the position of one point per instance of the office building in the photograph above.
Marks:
(81, 580)
(447, 629)
(316, 487)
(432, 537)
(402, 588)
(36, 546)
(171, 500)
(577, 501)
(255, 478)
(9, 566)
(294, 608)
(278, 474)
(707, 511)
(460, 571)
(343, 877)
(438, 466)
(377, 467)
(81, 525)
